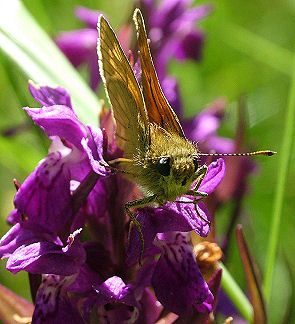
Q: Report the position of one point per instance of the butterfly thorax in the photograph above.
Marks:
(168, 167)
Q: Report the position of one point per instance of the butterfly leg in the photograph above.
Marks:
(195, 202)
(136, 204)
(201, 173)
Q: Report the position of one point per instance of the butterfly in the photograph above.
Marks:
(157, 154)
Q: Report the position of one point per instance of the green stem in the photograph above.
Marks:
(284, 155)
(236, 294)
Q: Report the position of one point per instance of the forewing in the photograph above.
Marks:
(158, 109)
(123, 91)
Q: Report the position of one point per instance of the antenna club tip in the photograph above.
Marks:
(270, 153)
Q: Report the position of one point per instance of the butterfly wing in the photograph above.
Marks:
(158, 108)
(125, 96)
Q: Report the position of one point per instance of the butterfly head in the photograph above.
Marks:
(171, 165)
(181, 168)
(171, 176)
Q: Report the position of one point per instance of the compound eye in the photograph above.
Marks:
(196, 163)
(164, 166)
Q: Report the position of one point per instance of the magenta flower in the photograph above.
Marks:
(71, 194)
(171, 26)
(69, 222)
(79, 46)
(177, 280)
(172, 29)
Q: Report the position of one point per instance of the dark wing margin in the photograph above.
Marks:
(158, 108)
(123, 91)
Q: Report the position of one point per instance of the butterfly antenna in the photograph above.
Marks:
(266, 152)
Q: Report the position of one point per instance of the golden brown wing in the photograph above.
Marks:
(158, 108)
(122, 88)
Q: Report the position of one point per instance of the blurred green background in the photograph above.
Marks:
(248, 50)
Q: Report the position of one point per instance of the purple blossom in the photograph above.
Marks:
(47, 213)
(79, 46)
(171, 28)
(72, 155)
(177, 280)
(44, 202)
(175, 216)
(46, 256)
(53, 304)
(71, 190)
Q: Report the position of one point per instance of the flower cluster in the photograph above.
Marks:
(80, 45)
(171, 26)
(69, 225)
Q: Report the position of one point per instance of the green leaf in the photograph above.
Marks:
(22, 39)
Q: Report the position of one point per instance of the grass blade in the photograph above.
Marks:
(282, 172)
(236, 295)
(22, 39)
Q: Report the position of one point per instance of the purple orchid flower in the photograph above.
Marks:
(44, 203)
(79, 46)
(177, 280)
(46, 214)
(171, 28)
(170, 25)
(53, 304)
(72, 155)
(175, 216)
(71, 194)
